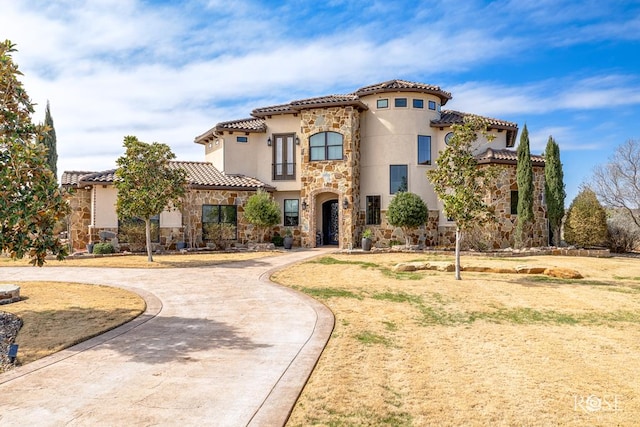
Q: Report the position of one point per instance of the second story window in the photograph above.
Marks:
(400, 102)
(325, 146)
(424, 150)
(284, 162)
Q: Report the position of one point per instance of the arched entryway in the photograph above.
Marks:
(330, 222)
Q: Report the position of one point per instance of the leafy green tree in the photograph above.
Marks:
(262, 212)
(524, 177)
(586, 223)
(50, 141)
(147, 183)
(407, 211)
(460, 184)
(554, 189)
(30, 200)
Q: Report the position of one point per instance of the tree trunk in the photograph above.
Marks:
(147, 226)
(458, 237)
(406, 237)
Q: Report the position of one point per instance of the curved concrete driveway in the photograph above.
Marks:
(218, 346)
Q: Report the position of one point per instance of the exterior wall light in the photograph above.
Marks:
(345, 203)
(297, 140)
(269, 141)
(304, 205)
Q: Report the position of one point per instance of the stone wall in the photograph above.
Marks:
(385, 234)
(79, 218)
(503, 230)
(81, 232)
(338, 177)
(498, 235)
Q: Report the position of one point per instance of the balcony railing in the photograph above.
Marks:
(284, 171)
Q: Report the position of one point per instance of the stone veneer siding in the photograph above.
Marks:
(384, 234)
(338, 177)
(500, 234)
(79, 218)
(81, 232)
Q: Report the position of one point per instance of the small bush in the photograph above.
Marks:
(624, 234)
(277, 240)
(103, 248)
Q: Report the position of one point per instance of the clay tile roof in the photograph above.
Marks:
(103, 177)
(247, 125)
(326, 100)
(508, 157)
(203, 174)
(71, 178)
(273, 109)
(404, 86)
(317, 102)
(199, 174)
(450, 117)
(251, 124)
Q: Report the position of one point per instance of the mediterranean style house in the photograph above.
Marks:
(333, 163)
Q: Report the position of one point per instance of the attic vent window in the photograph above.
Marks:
(383, 103)
(243, 139)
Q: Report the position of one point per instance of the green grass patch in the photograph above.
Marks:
(560, 281)
(327, 260)
(326, 293)
(397, 297)
(369, 338)
(635, 279)
(401, 275)
(525, 316)
(391, 326)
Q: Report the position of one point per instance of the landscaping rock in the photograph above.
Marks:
(403, 267)
(527, 269)
(563, 273)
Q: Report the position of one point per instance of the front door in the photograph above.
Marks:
(330, 222)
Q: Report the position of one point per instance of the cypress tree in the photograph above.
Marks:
(554, 188)
(49, 141)
(524, 177)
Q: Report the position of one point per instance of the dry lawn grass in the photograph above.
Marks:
(421, 349)
(140, 261)
(58, 315)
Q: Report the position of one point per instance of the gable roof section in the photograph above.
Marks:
(505, 157)
(200, 175)
(249, 125)
(404, 86)
(450, 117)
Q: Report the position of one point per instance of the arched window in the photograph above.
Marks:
(325, 146)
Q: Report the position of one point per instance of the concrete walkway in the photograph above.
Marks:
(217, 346)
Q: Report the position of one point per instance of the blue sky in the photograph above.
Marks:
(169, 70)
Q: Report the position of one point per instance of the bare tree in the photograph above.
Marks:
(617, 183)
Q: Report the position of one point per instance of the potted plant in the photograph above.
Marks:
(367, 235)
(288, 238)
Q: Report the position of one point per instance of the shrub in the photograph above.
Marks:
(262, 212)
(624, 234)
(221, 234)
(407, 211)
(277, 240)
(103, 248)
(586, 223)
